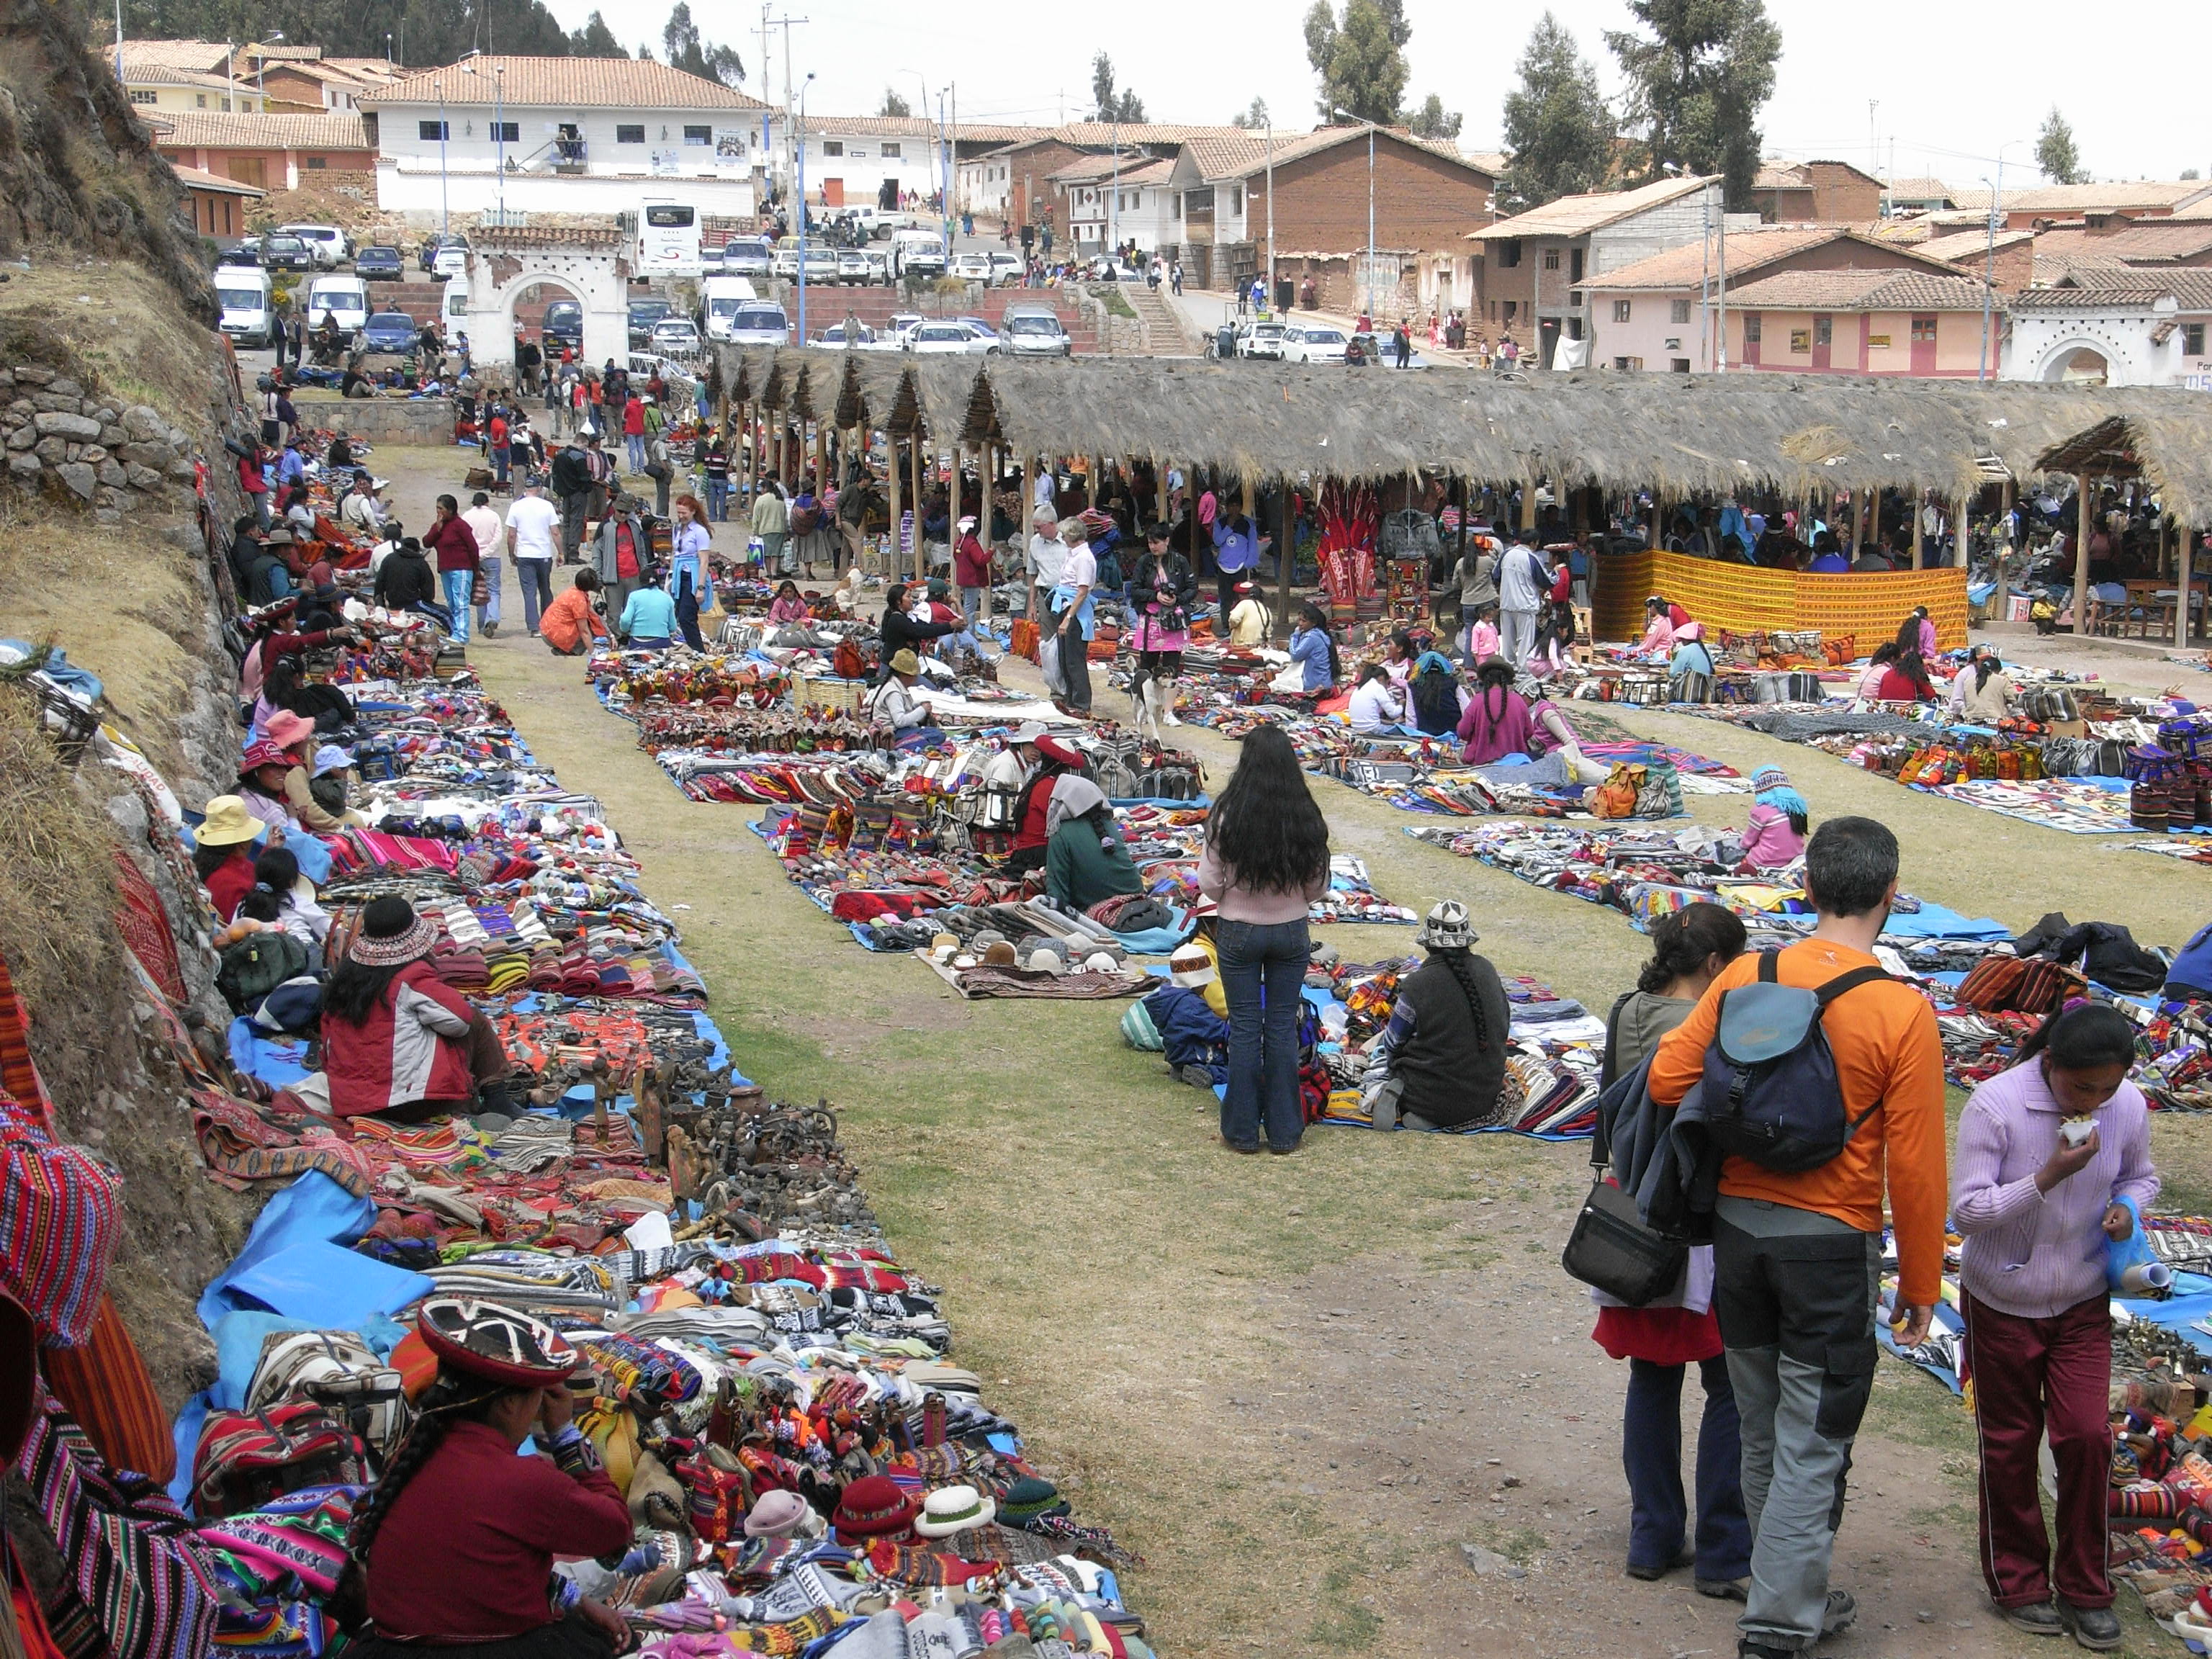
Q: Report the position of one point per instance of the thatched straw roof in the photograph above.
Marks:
(1680, 435)
(2167, 445)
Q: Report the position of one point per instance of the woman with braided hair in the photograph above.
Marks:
(454, 1546)
(1440, 1062)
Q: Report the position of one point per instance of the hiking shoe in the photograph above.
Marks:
(1842, 1607)
(2096, 1628)
(1725, 1589)
(1646, 1573)
(2037, 1618)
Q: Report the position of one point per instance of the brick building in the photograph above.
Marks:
(268, 152)
(218, 205)
(1815, 193)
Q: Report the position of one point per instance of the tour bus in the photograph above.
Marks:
(721, 298)
(668, 239)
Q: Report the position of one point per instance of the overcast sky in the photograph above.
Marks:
(1954, 81)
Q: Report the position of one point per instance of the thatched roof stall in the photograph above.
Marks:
(2169, 448)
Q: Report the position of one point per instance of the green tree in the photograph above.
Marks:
(1357, 55)
(2055, 152)
(685, 51)
(1253, 119)
(894, 106)
(1558, 129)
(1696, 80)
(595, 39)
(1432, 121)
(1124, 106)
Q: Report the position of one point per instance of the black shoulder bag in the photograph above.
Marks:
(1611, 1249)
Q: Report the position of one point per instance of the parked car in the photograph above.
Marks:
(1005, 270)
(760, 325)
(852, 267)
(879, 266)
(903, 323)
(863, 337)
(643, 314)
(746, 256)
(379, 264)
(1034, 331)
(1261, 340)
(981, 328)
(286, 254)
(328, 244)
(245, 251)
(948, 339)
(675, 336)
(564, 324)
(821, 260)
(389, 331)
(972, 267)
(445, 255)
(1312, 342)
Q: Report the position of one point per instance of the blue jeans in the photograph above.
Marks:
(718, 499)
(458, 585)
(536, 578)
(1651, 1455)
(637, 452)
(1263, 1041)
(687, 610)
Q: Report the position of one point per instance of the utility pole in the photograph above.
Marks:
(1720, 298)
(784, 23)
(1271, 219)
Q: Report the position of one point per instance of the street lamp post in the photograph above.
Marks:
(1367, 277)
(498, 120)
(1990, 271)
(445, 213)
(798, 143)
(261, 70)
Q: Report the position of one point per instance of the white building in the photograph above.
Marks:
(2114, 327)
(851, 158)
(1114, 201)
(986, 181)
(579, 135)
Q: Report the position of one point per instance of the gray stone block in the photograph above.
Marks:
(144, 477)
(50, 422)
(81, 479)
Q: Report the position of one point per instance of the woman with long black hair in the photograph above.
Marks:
(453, 1547)
(1316, 666)
(1265, 860)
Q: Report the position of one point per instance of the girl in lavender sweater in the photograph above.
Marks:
(2036, 1199)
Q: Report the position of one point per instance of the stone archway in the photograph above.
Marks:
(2077, 365)
(510, 262)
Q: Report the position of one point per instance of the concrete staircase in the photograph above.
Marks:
(1166, 334)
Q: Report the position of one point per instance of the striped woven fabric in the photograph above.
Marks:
(59, 1226)
(105, 1387)
(136, 1571)
(144, 924)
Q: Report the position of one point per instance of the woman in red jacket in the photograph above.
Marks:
(452, 544)
(455, 1545)
(1032, 807)
(397, 1041)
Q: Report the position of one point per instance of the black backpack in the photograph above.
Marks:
(256, 965)
(1770, 1091)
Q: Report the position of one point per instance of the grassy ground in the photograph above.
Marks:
(1298, 1385)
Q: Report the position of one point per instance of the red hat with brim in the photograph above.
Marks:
(261, 754)
(1056, 750)
(496, 1343)
(873, 1507)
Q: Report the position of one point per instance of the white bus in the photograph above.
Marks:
(668, 239)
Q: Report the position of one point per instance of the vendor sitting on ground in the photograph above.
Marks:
(1085, 860)
(399, 1042)
(1440, 1061)
(1377, 706)
(454, 1546)
(1878, 665)
(1315, 668)
(570, 624)
(1033, 806)
(1499, 722)
(1660, 619)
(648, 622)
(1435, 695)
(1250, 623)
(1689, 670)
(1906, 681)
(893, 704)
(788, 605)
(1780, 818)
(1983, 692)
(223, 846)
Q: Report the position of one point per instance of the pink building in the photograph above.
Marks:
(1886, 323)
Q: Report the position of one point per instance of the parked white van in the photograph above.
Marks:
(242, 292)
(720, 299)
(343, 298)
(327, 243)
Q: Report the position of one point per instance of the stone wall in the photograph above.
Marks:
(380, 420)
(79, 447)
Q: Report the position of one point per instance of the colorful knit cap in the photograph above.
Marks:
(1768, 777)
(391, 935)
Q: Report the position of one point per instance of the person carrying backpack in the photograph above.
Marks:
(1797, 1227)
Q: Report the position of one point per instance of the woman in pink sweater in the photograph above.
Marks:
(788, 606)
(1779, 817)
(1266, 859)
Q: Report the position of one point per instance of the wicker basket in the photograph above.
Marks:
(828, 691)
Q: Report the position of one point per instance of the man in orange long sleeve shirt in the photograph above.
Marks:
(1796, 1257)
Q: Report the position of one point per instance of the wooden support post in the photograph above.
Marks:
(2083, 518)
(1286, 555)
(1024, 527)
(891, 457)
(1160, 486)
(1919, 499)
(1657, 542)
(1526, 519)
(2182, 573)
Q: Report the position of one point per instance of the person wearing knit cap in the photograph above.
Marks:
(397, 1041)
(454, 1546)
(1780, 818)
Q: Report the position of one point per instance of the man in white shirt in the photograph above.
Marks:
(483, 524)
(533, 524)
(1070, 603)
(1522, 582)
(1047, 553)
(362, 511)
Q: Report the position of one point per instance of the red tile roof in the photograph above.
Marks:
(562, 83)
(1858, 291)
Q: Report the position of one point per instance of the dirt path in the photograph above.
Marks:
(1297, 1386)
